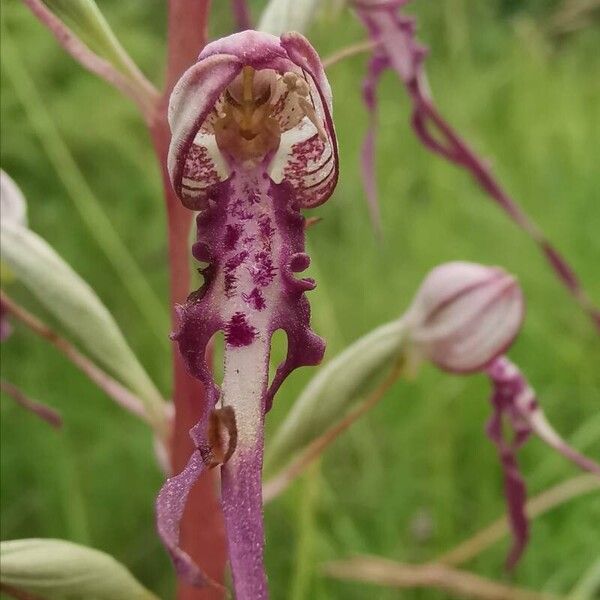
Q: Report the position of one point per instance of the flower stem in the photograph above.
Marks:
(459, 584)
(538, 505)
(120, 394)
(202, 529)
(349, 51)
(133, 84)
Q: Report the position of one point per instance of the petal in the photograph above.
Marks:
(313, 164)
(377, 64)
(514, 486)
(192, 155)
(241, 492)
(170, 506)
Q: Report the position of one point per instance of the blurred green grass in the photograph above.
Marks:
(531, 105)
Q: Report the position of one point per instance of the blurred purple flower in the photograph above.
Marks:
(253, 142)
(396, 47)
(513, 400)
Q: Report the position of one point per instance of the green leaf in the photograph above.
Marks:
(334, 390)
(281, 16)
(73, 302)
(60, 570)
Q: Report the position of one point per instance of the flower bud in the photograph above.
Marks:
(464, 315)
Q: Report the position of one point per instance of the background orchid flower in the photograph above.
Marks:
(253, 143)
(396, 47)
(513, 400)
(463, 317)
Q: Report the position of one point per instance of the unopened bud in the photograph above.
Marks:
(464, 315)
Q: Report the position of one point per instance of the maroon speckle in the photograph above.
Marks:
(265, 226)
(235, 261)
(532, 406)
(263, 270)
(239, 210)
(230, 278)
(253, 197)
(229, 282)
(239, 332)
(199, 166)
(255, 299)
(232, 235)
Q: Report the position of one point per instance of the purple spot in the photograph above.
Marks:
(232, 235)
(255, 299)
(230, 281)
(532, 406)
(265, 226)
(235, 261)
(263, 270)
(239, 332)
(238, 210)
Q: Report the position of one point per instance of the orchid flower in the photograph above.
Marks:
(514, 399)
(463, 318)
(253, 142)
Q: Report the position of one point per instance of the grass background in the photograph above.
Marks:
(528, 101)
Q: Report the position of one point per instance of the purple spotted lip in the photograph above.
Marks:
(253, 142)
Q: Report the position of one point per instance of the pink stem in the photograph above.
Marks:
(202, 529)
(51, 416)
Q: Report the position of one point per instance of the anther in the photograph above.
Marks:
(309, 111)
(248, 83)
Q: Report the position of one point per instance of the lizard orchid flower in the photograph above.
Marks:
(464, 315)
(515, 400)
(253, 142)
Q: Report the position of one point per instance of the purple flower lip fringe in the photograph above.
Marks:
(253, 142)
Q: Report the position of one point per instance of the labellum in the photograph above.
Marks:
(253, 143)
